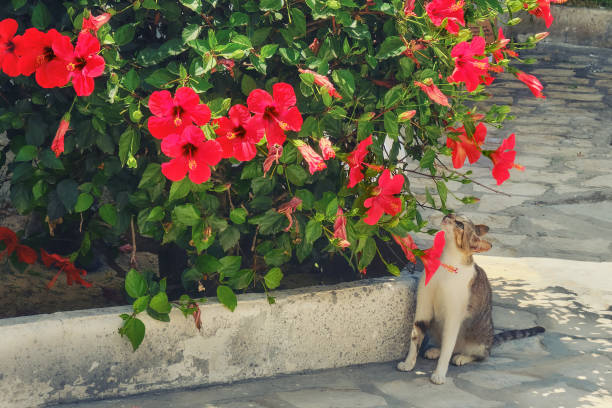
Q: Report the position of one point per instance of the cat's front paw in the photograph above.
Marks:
(432, 353)
(406, 366)
(437, 378)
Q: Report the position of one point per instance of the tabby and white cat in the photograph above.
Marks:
(456, 307)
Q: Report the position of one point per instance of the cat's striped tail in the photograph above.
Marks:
(516, 334)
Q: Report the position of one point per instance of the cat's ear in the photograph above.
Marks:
(480, 245)
(481, 229)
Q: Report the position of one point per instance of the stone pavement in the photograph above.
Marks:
(560, 207)
(569, 366)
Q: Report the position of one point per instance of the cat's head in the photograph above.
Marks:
(464, 237)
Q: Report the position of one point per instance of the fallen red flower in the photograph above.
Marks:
(534, 85)
(236, 137)
(433, 92)
(383, 198)
(275, 113)
(73, 274)
(355, 160)
(466, 146)
(191, 153)
(503, 160)
(451, 10)
(8, 58)
(172, 115)
(25, 254)
(431, 258)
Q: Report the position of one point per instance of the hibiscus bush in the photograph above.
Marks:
(254, 135)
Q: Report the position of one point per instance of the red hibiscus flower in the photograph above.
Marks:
(94, 23)
(274, 154)
(543, 12)
(275, 113)
(82, 62)
(315, 162)
(172, 115)
(36, 54)
(25, 254)
(503, 160)
(535, 86)
(409, 8)
(323, 82)
(58, 141)
(236, 137)
(407, 244)
(433, 92)
(406, 116)
(190, 152)
(8, 58)
(500, 53)
(431, 258)
(452, 10)
(73, 274)
(466, 147)
(383, 199)
(340, 230)
(288, 209)
(467, 68)
(355, 160)
(326, 148)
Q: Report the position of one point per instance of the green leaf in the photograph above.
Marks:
(124, 34)
(194, 5)
(156, 214)
(391, 47)
(277, 257)
(160, 303)
(129, 143)
(152, 176)
(238, 215)
(150, 4)
(140, 304)
(160, 78)
(393, 96)
(17, 4)
(393, 270)
(131, 80)
(207, 264)
(68, 192)
(50, 161)
(428, 159)
(345, 80)
(83, 203)
(227, 297)
(270, 5)
(26, 153)
(41, 17)
(313, 231)
(242, 279)
(229, 238)
(273, 278)
(191, 32)
(186, 214)
(268, 50)
(296, 174)
(230, 264)
(368, 253)
(135, 284)
(262, 185)
(134, 329)
(179, 189)
(442, 192)
(108, 213)
(247, 84)
(391, 124)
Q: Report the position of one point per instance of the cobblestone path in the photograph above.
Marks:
(561, 205)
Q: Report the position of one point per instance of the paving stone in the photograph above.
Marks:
(593, 96)
(510, 318)
(559, 395)
(598, 211)
(330, 398)
(600, 181)
(517, 189)
(497, 203)
(553, 72)
(495, 380)
(422, 393)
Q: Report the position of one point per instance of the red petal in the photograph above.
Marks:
(8, 28)
(26, 254)
(86, 45)
(244, 151)
(10, 65)
(225, 127)
(175, 169)
(162, 127)
(200, 114)
(210, 152)
(94, 67)
(160, 103)
(172, 145)
(293, 118)
(284, 96)
(63, 49)
(200, 174)
(83, 85)
(239, 114)
(374, 214)
(259, 100)
(53, 74)
(187, 99)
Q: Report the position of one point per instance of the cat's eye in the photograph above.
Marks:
(459, 224)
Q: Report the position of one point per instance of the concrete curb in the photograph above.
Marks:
(75, 356)
(572, 25)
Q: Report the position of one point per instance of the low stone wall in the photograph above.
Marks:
(74, 356)
(572, 25)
